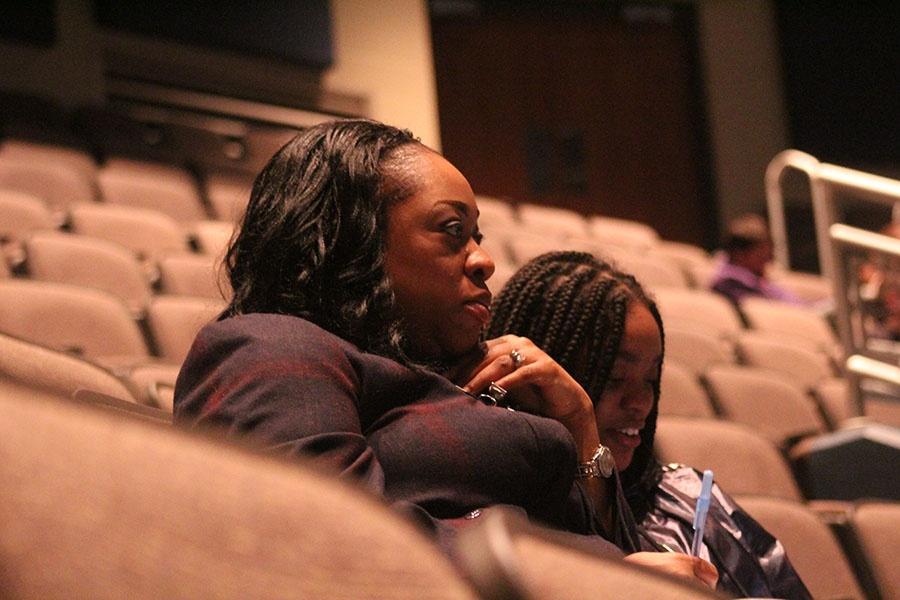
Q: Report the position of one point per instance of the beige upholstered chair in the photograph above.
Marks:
(82, 320)
(743, 461)
(57, 182)
(28, 370)
(52, 154)
(100, 505)
(797, 321)
(228, 194)
(833, 396)
(699, 310)
(212, 237)
(653, 272)
(637, 236)
(681, 393)
(88, 262)
(810, 545)
(496, 212)
(193, 275)
(150, 234)
(801, 363)
(153, 382)
(22, 213)
(175, 320)
(526, 244)
(163, 188)
(696, 350)
(508, 559)
(806, 286)
(764, 401)
(876, 528)
(682, 253)
(552, 221)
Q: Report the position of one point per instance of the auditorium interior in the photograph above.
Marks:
(636, 130)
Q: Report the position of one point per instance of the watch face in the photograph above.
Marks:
(605, 461)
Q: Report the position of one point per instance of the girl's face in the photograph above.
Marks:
(628, 396)
(436, 266)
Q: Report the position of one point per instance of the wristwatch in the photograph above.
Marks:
(600, 465)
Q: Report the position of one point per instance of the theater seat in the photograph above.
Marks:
(228, 194)
(743, 461)
(796, 321)
(89, 262)
(765, 401)
(507, 558)
(810, 545)
(193, 275)
(163, 188)
(175, 320)
(100, 505)
(696, 350)
(551, 220)
(699, 310)
(21, 214)
(28, 370)
(681, 393)
(147, 233)
(639, 237)
(876, 529)
(85, 321)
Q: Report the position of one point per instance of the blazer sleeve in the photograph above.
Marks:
(288, 385)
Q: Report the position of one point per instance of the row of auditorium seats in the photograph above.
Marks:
(116, 472)
(103, 243)
(63, 176)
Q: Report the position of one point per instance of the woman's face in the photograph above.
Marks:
(436, 266)
(628, 397)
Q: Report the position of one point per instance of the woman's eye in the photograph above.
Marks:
(478, 237)
(454, 228)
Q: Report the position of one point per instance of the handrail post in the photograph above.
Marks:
(787, 159)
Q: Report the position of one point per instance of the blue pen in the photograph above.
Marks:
(702, 509)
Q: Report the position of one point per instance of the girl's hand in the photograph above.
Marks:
(680, 565)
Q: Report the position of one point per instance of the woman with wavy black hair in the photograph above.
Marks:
(353, 338)
(601, 326)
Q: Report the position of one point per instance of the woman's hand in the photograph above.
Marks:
(680, 565)
(536, 383)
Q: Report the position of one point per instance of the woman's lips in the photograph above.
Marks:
(479, 311)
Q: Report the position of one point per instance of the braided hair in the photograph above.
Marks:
(574, 306)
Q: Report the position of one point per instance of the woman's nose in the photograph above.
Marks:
(479, 264)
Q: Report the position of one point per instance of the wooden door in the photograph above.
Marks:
(588, 107)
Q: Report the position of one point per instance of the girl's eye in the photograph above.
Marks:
(478, 237)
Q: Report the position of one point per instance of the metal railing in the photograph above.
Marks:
(837, 244)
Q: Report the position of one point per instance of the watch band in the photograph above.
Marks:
(601, 464)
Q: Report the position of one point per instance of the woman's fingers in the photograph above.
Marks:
(495, 364)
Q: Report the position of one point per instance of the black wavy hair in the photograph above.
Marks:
(311, 242)
(574, 305)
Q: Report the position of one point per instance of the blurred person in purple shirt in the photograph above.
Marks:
(748, 250)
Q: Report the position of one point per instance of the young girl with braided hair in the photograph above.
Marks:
(599, 325)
